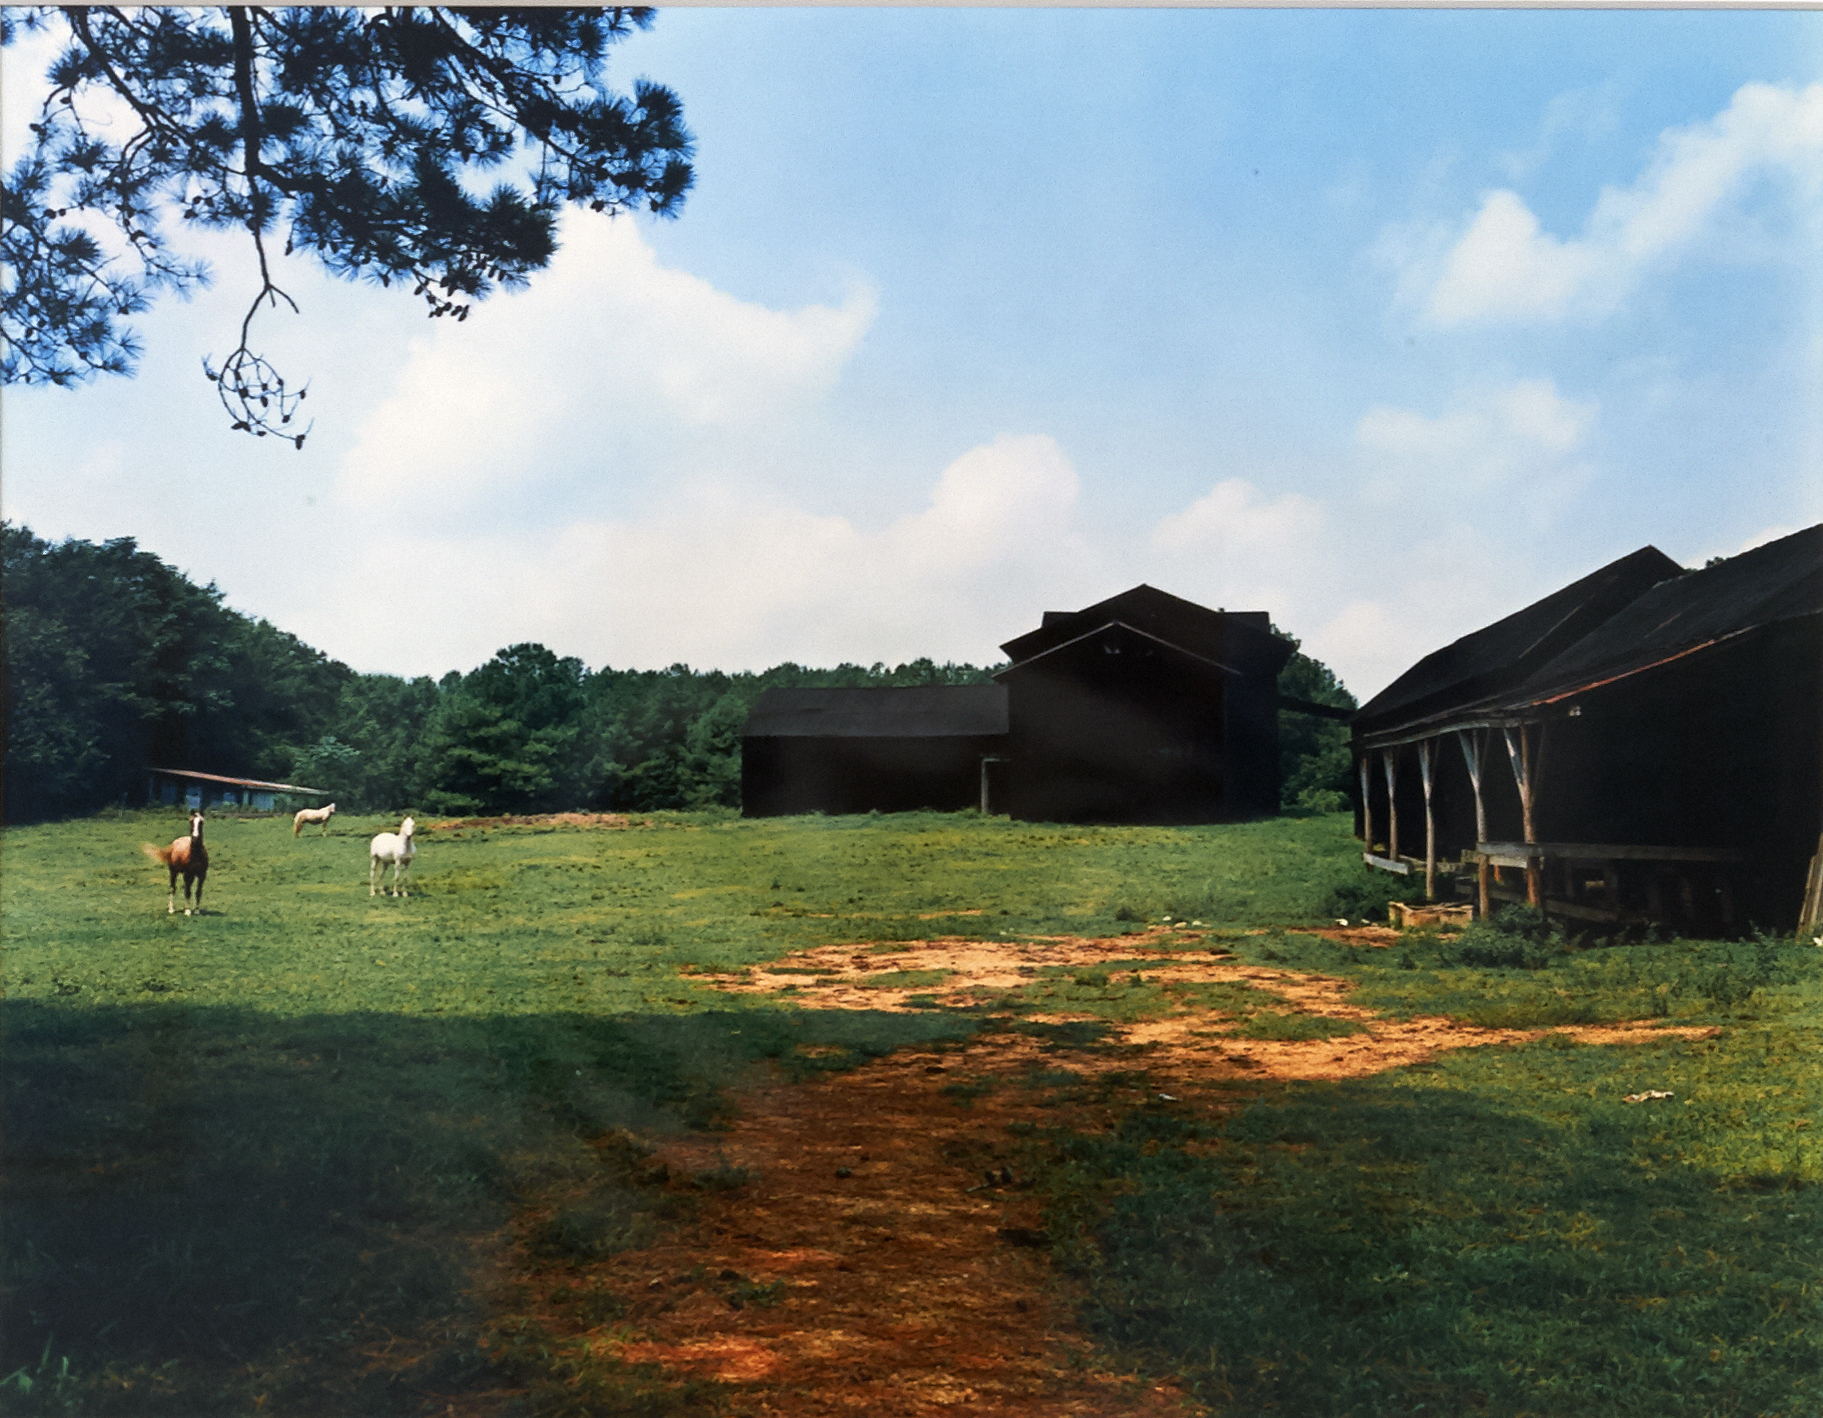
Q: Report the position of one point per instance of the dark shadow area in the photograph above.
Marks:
(1391, 1245)
(222, 1211)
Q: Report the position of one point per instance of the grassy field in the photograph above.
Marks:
(1494, 1231)
(262, 1159)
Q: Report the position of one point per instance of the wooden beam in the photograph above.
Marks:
(1519, 753)
(1367, 806)
(1607, 852)
(1473, 753)
(1425, 749)
(1392, 803)
(1810, 915)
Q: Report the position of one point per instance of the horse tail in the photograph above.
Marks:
(297, 824)
(161, 855)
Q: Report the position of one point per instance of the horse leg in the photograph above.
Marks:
(404, 866)
(199, 893)
(171, 906)
(374, 868)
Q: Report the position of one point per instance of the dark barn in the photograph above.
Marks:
(1144, 708)
(861, 750)
(1141, 708)
(1644, 745)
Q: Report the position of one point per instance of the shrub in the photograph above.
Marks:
(1366, 896)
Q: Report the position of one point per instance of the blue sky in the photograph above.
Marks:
(1386, 322)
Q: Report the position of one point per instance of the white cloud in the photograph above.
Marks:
(1234, 520)
(1236, 547)
(728, 576)
(1504, 269)
(1523, 436)
(607, 359)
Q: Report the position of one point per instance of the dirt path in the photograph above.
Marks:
(885, 1257)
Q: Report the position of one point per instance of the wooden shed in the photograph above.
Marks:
(170, 786)
(861, 750)
(1644, 745)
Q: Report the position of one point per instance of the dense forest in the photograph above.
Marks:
(115, 662)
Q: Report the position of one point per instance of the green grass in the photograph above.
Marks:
(245, 1147)
(1494, 1232)
(251, 1151)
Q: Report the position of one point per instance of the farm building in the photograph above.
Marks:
(1140, 708)
(855, 750)
(1645, 744)
(197, 790)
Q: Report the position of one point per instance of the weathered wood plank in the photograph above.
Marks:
(1598, 852)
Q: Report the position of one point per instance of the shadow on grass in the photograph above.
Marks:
(1454, 1240)
(216, 1210)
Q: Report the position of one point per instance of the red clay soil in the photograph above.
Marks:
(547, 819)
(886, 1257)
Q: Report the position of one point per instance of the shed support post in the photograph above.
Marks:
(1525, 773)
(1810, 913)
(1367, 804)
(1425, 749)
(1474, 744)
(1392, 806)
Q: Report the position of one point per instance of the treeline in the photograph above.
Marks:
(115, 662)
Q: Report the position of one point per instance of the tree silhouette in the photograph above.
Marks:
(353, 134)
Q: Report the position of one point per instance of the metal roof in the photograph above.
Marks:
(1499, 656)
(1666, 623)
(237, 782)
(1782, 580)
(924, 711)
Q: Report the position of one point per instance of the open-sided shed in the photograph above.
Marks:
(1665, 763)
(173, 785)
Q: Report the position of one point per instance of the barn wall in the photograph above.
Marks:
(1118, 737)
(1724, 749)
(795, 774)
(1250, 746)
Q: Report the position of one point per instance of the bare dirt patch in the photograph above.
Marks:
(548, 819)
(884, 1256)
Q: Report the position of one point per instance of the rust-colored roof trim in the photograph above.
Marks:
(238, 782)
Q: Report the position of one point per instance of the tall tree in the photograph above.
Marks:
(1314, 759)
(354, 134)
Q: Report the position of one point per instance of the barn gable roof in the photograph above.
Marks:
(1242, 640)
(924, 711)
(1500, 656)
(1114, 631)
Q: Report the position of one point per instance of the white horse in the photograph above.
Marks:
(312, 814)
(394, 847)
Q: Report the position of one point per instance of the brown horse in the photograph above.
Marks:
(186, 857)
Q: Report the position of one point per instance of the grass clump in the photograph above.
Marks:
(903, 979)
(1296, 1028)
